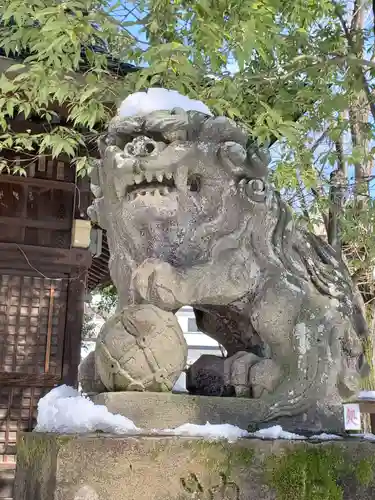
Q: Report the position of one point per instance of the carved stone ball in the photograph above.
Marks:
(141, 348)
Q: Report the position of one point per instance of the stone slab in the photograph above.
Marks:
(156, 410)
(103, 467)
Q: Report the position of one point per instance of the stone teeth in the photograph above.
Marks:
(138, 179)
(168, 175)
(180, 178)
(148, 176)
(156, 192)
(165, 190)
(159, 177)
(120, 185)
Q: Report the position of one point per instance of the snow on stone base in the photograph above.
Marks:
(326, 437)
(220, 431)
(276, 432)
(368, 395)
(65, 411)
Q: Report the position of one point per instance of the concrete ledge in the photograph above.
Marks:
(155, 410)
(102, 467)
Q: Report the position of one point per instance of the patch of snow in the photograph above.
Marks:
(366, 395)
(325, 437)
(158, 99)
(209, 431)
(65, 411)
(367, 436)
(276, 432)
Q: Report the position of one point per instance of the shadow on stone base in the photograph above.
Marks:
(102, 467)
(157, 410)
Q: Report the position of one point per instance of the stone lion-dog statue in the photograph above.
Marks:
(191, 219)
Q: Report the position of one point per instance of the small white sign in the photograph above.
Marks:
(352, 417)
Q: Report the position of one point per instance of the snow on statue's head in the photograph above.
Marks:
(171, 180)
(144, 103)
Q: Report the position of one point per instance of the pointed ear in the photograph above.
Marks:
(233, 157)
(221, 129)
(258, 160)
(252, 163)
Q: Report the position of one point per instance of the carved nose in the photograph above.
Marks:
(140, 146)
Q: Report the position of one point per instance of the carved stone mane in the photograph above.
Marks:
(322, 265)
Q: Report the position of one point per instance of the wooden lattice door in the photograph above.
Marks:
(32, 323)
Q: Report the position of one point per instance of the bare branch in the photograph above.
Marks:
(354, 48)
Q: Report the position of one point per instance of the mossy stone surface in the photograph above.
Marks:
(103, 467)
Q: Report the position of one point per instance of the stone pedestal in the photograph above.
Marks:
(155, 410)
(102, 467)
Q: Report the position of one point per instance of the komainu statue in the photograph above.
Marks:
(191, 219)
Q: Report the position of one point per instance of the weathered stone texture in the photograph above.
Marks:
(103, 467)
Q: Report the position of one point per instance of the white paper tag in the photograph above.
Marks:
(352, 417)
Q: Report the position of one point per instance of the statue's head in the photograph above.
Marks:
(172, 179)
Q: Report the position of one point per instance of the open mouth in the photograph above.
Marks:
(158, 184)
(154, 184)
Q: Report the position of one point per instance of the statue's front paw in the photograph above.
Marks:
(154, 281)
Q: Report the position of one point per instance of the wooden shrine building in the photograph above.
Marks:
(42, 288)
(44, 276)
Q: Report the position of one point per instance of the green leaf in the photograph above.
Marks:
(15, 68)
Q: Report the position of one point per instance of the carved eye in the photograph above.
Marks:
(194, 183)
(258, 186)
(256, 189)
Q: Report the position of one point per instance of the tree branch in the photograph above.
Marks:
(337, 199)
(357, 20)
